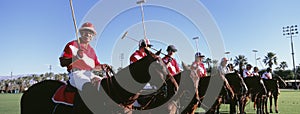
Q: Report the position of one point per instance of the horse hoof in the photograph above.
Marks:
(271, 111)
(276, 111)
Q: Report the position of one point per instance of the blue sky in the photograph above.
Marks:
(34, 32)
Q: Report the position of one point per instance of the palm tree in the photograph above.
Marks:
(240, 61)
(208, 61)
(215, 63)
(283, 65)
(270, 59)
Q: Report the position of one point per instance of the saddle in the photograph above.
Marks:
(65, 94)
(153, 97)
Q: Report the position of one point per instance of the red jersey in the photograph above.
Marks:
(172, 65)
(137, 55)
(199, 68)
(247, 73)
(87, 62)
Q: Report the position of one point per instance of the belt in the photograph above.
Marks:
(76, 69)
(98, 73)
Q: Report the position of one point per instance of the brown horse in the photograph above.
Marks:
(257, 91)
(272, 86)
(38, 98)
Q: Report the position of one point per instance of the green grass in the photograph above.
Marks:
(10, 103)
(289, 103)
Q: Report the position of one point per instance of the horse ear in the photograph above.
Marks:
(185, 67)
(158, 52)
(147, 51)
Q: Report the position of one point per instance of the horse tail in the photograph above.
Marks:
(38, 98)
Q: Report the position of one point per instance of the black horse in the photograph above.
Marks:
(239, 89)
(168, 96)
(272, 86)
(38, 98)
(257, 91)
(236, 87)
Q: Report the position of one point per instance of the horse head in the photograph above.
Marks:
(280, 81)
(193, 75)
(151, 65)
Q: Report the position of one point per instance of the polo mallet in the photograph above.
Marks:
(76, 30)
(125, 35)
(196, 42)
(142, 13)
(74, 22)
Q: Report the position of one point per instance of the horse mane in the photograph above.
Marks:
(255, 85)
(282, 84)
(237, 82)
(139, 72)
(140, 69)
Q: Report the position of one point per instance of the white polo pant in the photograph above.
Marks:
(80, 77)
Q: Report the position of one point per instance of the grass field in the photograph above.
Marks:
(289, 103)
(10, 103)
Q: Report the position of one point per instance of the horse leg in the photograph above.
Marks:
(79, 105)
(172, 107)
(218, 110)
(232, 105)
(266, 104)
(213, 108)
(218, 106)
(242, 103)
(254, 101)
(258, 105)
(128, 109)
(191, 108)
(263, 104)
(275, 101)
(271, 98)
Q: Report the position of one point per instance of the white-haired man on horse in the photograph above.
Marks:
(223, 70)
(80, 58)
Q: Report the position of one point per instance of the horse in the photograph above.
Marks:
(272, 86)
(239, 89)
(38, 98)
(183, 100)
(257, 90)
(203, 86)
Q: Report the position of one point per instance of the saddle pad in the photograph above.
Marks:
(63, 97)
